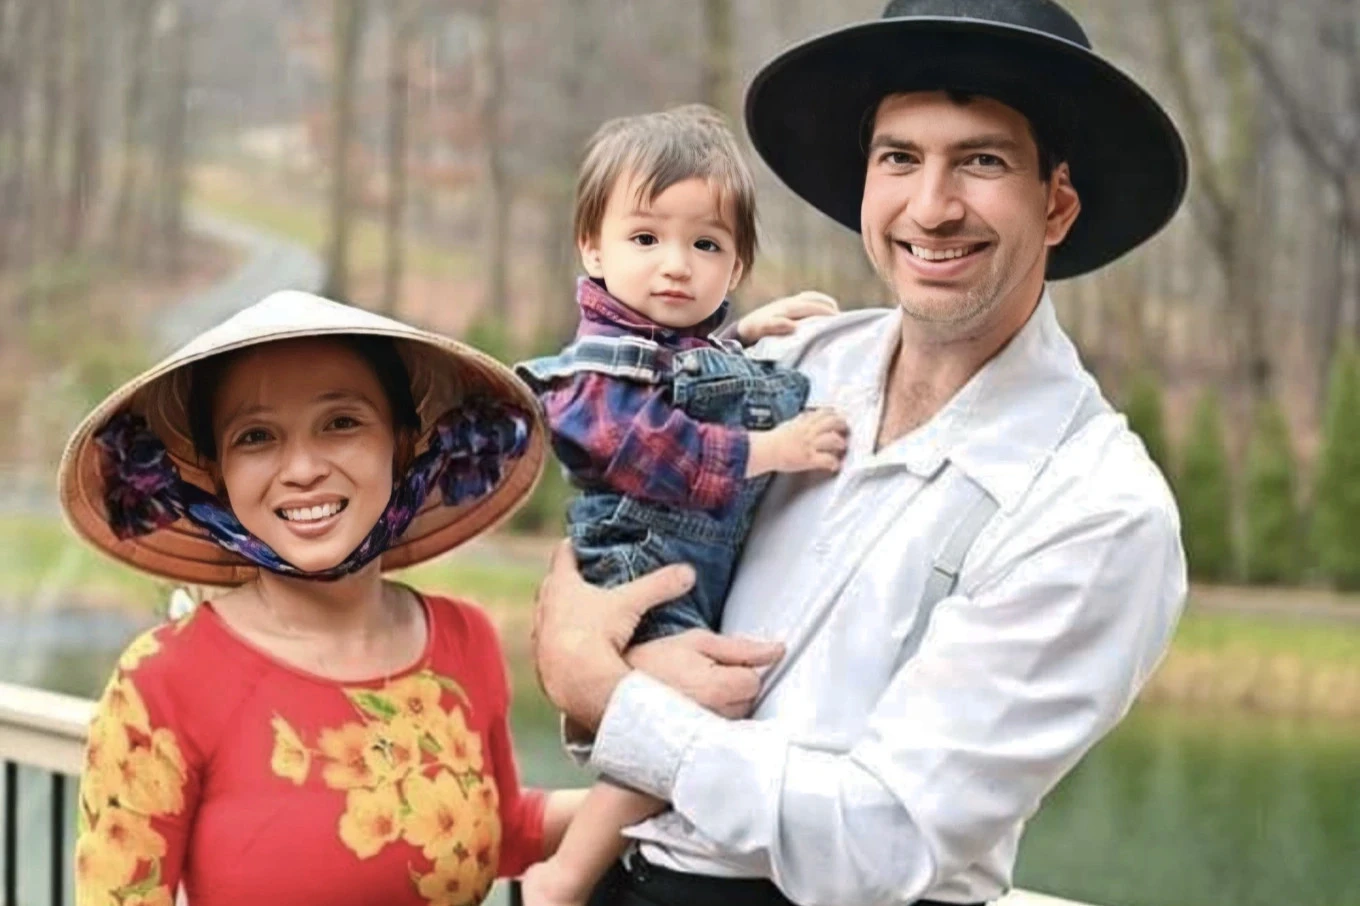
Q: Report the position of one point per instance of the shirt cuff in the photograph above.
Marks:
(646, 732)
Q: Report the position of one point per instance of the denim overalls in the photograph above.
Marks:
(619, 538)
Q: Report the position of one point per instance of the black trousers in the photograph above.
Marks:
(644, 884)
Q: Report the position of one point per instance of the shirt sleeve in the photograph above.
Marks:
(629, 437)
(1011, 686)
(139, 790)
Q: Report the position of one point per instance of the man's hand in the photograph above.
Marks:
(781, 316)
(717, 671)
(580, 631)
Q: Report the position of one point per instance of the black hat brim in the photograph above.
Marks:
(806, 111)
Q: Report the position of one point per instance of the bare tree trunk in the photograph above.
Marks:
(48, 199)
(347, 37)
(559, 243)
(422, 202)
(174, 150)
(1329, 139)
(1229, 182)
(1332, 301)
(138, 23)
(14, 153)
(401, 30)
(498, 194)
(717, 85)
(87, 42)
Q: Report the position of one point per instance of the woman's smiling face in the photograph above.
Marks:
(305, 444)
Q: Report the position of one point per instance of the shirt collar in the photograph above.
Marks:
(1001, 428)
(601, 308)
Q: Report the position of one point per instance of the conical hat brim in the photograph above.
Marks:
(444, 373)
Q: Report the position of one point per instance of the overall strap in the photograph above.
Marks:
(978, 509)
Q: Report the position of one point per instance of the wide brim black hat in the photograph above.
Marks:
(808, 112)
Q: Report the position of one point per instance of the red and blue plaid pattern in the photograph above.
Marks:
(628, 436)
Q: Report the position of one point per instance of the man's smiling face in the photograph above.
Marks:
(957, 217)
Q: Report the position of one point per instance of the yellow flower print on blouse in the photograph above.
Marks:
(123, 704)
(158, 897)
(439, 819)
(152, 775)
(350, 761)
(455, 881)
(416, 698)
(458, 748)
(372, 819)
(291, 759)
(143, 646)
(132, 774)
(409, 770)
(398, 748)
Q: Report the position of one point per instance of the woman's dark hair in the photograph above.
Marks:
(379, 353)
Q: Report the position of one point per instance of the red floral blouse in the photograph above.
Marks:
(252, 781)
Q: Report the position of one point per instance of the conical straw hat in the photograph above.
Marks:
(444, 373)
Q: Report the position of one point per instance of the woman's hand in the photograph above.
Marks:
(781, 317)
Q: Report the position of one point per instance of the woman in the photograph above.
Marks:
(315, 734)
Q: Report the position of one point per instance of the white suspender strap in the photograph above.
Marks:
(978, 509)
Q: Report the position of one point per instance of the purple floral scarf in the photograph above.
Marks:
(143, 490)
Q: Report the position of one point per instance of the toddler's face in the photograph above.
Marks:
(672, 260)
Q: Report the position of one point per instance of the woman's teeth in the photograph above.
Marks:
(941, 254)
(313, 513)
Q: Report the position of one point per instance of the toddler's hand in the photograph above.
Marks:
(780, 317)
(814, 441)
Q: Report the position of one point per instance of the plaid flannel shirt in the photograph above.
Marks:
(629, 437)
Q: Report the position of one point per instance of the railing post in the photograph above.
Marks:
(58, 838)
(11, 834)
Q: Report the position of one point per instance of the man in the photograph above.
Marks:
(977, 597)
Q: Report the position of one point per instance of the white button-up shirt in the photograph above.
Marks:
(866, 778)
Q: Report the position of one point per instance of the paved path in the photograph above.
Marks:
(1313, 604)
(272, 263)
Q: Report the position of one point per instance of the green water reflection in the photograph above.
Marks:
(1174, 809)
(1177, 808)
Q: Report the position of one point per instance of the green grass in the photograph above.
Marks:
(1313, 641)
(495, 584)
(40, 555)
(306, 224)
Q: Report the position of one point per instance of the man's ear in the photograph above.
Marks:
(1063, 206)
(590, 257)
